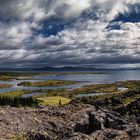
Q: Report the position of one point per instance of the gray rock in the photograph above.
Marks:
(70, 122)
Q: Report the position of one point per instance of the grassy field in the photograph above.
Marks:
(53, 101)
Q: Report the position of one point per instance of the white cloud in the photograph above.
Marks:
(86, 40)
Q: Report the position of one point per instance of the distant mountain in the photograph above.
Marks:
(16, 69)
(48, 69)
(55, 69)
(68, 68)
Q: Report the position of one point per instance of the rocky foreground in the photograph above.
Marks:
(70, 122)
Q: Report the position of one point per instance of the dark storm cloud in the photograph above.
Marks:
(83, 32)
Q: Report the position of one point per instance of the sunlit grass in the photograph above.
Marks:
(53, 101)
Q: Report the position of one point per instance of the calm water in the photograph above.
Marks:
(88, 95)
(107, 77)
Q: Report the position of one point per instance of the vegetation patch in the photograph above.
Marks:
(19, 137)
(14, 98)
(18, 101)
(5, 86)
(8, 76)
(53, 101)
(15, 93)
(113, 99)
(46, 83)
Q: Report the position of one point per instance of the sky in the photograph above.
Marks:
(93, 33)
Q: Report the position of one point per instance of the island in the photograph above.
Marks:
(49, 83)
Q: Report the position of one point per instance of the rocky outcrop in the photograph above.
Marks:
(107, 134)
(71, 122)
(104, 124)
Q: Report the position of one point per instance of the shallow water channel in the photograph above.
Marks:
(86, 79)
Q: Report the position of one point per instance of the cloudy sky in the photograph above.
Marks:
(98, 33)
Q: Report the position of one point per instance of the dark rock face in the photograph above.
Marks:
(71, 122)
(99, 120)
(113, 120)
(37, 136)
(91, 123)
(88, 125)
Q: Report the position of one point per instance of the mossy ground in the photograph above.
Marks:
(19, 137)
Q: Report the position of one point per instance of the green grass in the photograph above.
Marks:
(53, 101)
(12, 94)
(16, 93)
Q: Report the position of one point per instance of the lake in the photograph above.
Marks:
(87, 79)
